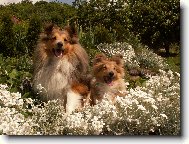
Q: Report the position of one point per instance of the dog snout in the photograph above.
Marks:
(59, 44)
(111, 74)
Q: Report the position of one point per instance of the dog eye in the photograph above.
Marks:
(104, 67)
(65, 40)
(54, 38)
(114, 68)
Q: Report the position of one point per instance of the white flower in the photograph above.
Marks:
(163, 115)
(141, 107)
(136, 101)
(126, 83)
(29, 100)
(3, 87)
(160, 93)
(154, 120)
(155, 107)
(39, 87)
(177, 74)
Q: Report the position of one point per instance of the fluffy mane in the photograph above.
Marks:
(57, 75)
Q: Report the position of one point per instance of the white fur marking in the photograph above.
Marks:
(54, 77)
(73, 101)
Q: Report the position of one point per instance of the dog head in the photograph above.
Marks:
(108, 70)
(118, 58)
(59, 42)
(99, 58)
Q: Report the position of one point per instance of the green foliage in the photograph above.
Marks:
(110, 27)
(102, 35)
(87, 38)
(20, 43)
(7, 36)
(88, 42)
(174, 63)
(157, 22)
(34, 29)
(14, 70)
(21, 24)
(107, 19)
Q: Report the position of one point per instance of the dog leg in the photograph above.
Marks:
(73, 101)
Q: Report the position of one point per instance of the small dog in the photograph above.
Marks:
(108, 78)
(60, 67)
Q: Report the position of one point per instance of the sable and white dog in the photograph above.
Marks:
(108, 78)
(60, 66)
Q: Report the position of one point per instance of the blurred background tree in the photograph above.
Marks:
(7, 36)
(155, 23)
(34, 29)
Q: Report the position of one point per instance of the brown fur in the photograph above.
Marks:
(83, 90)
(60, 63)
(103, 81)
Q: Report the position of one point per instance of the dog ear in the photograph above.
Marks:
(118, 58)
(99, 57)
(49, 28)
(72, 33)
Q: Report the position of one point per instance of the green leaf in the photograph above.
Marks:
(13, 74)
(26, 95)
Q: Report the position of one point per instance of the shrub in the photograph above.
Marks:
(144, 58)
(20, 43)
(14, 71)
(149, 60)
(102, 35)
(156, 22)
(150, 109)
(7, 37)
(34, 29)
(87, 40)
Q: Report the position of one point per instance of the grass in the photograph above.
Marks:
(174, 63)
(173, 60)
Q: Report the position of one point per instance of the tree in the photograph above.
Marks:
(34, 29)
(156, 22)
(109, 16)
(7, 36)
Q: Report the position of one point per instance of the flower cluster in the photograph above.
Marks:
(146, 58)
(120, 48)
(152, 108)
(13, 115)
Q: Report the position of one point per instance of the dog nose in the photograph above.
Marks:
(111, 74)
(59, 44)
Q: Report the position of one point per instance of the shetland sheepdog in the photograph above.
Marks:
(108, 78)
(60, 67)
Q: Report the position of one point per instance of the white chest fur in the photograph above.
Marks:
(54, 76)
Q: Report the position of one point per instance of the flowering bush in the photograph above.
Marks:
(145, 59)
(153, 108)
(150, 60)
(15, 119)
(125, 49)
